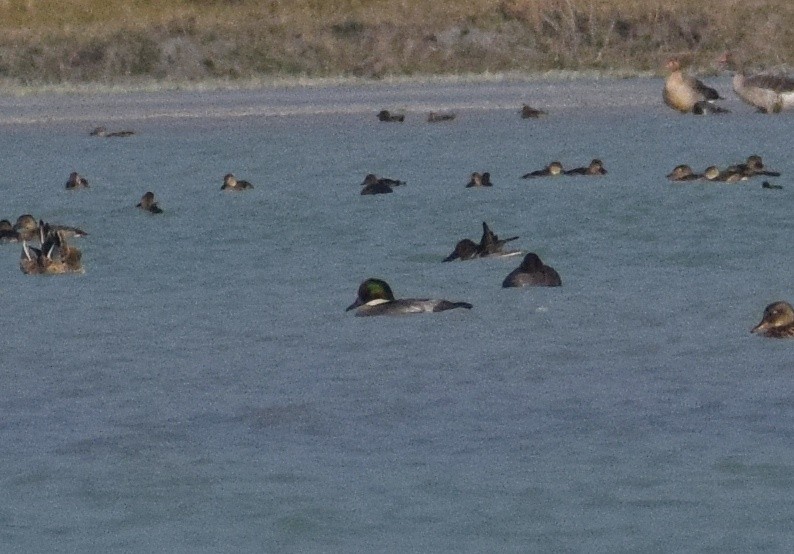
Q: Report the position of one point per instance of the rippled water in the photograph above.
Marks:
(201, 389)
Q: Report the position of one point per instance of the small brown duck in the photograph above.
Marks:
(7, 232)
(76, 181)
(528, 112)
(683, 173)
(683, 92)
(434, 117)
(532, 273)
(596, 167)
(777, 321)
(148, 204)
(230, 182)
(766, 93)
(480, 180)
(731, 174)
(554, 169)
(755, 166)
(388, 117)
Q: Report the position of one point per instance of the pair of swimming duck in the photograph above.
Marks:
(490, 245)
(555, 169)
(375, 297)
(479, 180)
(766, 93)
(28, 228)
(754, 166)
(56, 255)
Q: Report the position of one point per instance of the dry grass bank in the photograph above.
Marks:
(51, 41)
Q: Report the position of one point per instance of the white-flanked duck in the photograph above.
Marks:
(375, 297)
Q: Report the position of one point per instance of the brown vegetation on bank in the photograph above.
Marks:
(51, 41)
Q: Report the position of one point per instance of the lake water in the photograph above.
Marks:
(201, 388)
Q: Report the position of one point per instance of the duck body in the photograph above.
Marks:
(777, 321)
(375, 297)
(683, 92)
(388, 117)
(479, 180)
(379, 185)
(490, 246)
(554, 169)
(230, 182)
(532, 273)
(103, 132)
(7, 232)
(56, 256)
(148, 204)
(683, 173)
(434, 117)
(76, 181)
(28, 228)
(596, 167)
(528, 112)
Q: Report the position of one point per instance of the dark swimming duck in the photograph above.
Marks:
(388, 117)
(490, 246)
(596, 167)
(683, 173)
(768, 185)
(148, 204)
(76, 181)
(103, 132)
(777, 322)
(376, 298)
(232, 183)
(434, 117)
(379, 185)
(532, 272)
(528, 112)
(552, 170)
(7, 232)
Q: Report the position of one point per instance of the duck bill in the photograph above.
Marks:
(354, 305)
(760, 328)
(453, 256)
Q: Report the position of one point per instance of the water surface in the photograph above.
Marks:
(201, 389)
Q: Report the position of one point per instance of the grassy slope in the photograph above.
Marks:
(52, 41)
